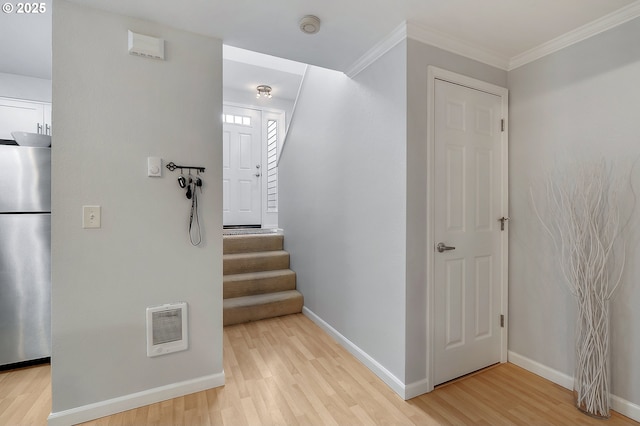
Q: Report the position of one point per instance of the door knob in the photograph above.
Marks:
(441, 247)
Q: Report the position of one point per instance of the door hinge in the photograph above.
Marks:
(502, 125)
(502, 321)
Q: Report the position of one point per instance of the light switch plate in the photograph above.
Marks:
(91, 217)
(154, 166)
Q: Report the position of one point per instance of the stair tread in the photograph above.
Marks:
(246, 276)
(250, 236)
(241, 263)
(255, 254)
(246, 284)
(258, 283)
(252, 243)
(261, 299)
(254, 308)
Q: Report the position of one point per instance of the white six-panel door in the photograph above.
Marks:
(467, 206)
(242, 166)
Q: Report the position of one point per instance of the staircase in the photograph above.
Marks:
(258, 283)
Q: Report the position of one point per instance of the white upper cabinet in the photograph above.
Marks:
(47, 119)
(24, 116)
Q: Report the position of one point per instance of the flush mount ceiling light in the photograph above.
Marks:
(310, 24)
(263, 90)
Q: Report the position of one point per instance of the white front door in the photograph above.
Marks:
(242, 166)
(468, 202)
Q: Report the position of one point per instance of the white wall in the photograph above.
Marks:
(23, 87)
(579, 104)
(112, 110)
(420, 56)
(249, 99)
(342, 203)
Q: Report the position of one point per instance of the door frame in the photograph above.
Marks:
(267, 219)
(433, 74)
(270, 217)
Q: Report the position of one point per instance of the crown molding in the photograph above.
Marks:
(461, 47)
(455, 45)
(382, 47)
(591, 29)
(431, 37)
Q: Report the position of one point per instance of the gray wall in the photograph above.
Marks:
(419, 57)
(342, 203)
(112, 110)
(579, 104)
(353, 200)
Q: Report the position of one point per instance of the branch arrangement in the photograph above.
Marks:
(583, 219)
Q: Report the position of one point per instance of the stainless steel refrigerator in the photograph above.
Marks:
(25, 255)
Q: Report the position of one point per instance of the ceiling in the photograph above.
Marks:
(350, 28)
(25, 48)
(244, 70)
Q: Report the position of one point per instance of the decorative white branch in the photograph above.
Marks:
(583, 220)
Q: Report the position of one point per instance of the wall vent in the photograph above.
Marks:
(167, 329)
(147, 46)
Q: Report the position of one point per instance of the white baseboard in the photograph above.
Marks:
(405, 391)
(134, 400)
(541, 370)
(416, 389)
(625, 408)
(622, 406)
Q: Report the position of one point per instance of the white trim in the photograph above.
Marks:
(626, 408)
(134, 400)
(293, 113)
(458, 46)
(618, 404)
(555, 376)
(434, 73)
(267, 219)
(479, 53)
(270, 218)
(416, 389)
(430, 276)
(591, 29)
(389, 42)
(405, 391)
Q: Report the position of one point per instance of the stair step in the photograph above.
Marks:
(251, 283)
(241, 263)
(252, 243)
(261, 306)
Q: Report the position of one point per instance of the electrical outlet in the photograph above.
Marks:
(91, 217)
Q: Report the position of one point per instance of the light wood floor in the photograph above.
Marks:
(286, 371)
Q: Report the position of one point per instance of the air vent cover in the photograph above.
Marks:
(147, 46)
(167, 329)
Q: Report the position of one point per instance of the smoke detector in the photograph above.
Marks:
(310, 24)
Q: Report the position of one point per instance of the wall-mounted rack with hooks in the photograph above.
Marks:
(191, 183)
(172, 166)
